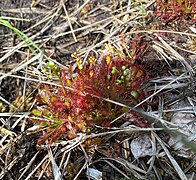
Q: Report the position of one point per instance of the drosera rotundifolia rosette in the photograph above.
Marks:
(77, 106)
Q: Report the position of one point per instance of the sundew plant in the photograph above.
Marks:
(78, 105)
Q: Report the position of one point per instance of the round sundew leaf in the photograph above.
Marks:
(123, 68)
(50, 76)
(44, 124)
(125, 72)
(68, 81)
(139, 73)
(36, 112)
(108, 77)
(51, 64)
(46, 112)
(44, 70)
(53, 99)
(135, 94)
(91, 73)
(58, 122)
(108, 59)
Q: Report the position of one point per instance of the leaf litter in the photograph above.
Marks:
(60, 28)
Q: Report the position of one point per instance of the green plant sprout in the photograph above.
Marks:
(26, 39)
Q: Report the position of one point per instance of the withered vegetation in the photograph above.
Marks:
(96, 89)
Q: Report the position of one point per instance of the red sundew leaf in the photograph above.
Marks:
(58, 133)
(58, 106)
(55, 136)
(63, 129)
(45, 137)
(36, 112)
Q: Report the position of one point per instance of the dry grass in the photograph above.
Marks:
(59, 28)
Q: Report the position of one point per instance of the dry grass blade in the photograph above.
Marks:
(23, 65)
(116, 168)
(7, 102)
(192, 104)
(71, 27)
(21, 117)
(30, 79)
(176, 54)
(55, 168)
(127, 165)
(173, 161)
(8, 167)
(71, 144)
(160, 50)
(154, 150)
(165, 86)
(148, 116)
(42, 161)
(65, 163)
(80, 171)
(132, 167)
(5, 131)
(28, 165)
(17, 47)
(127, 129)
